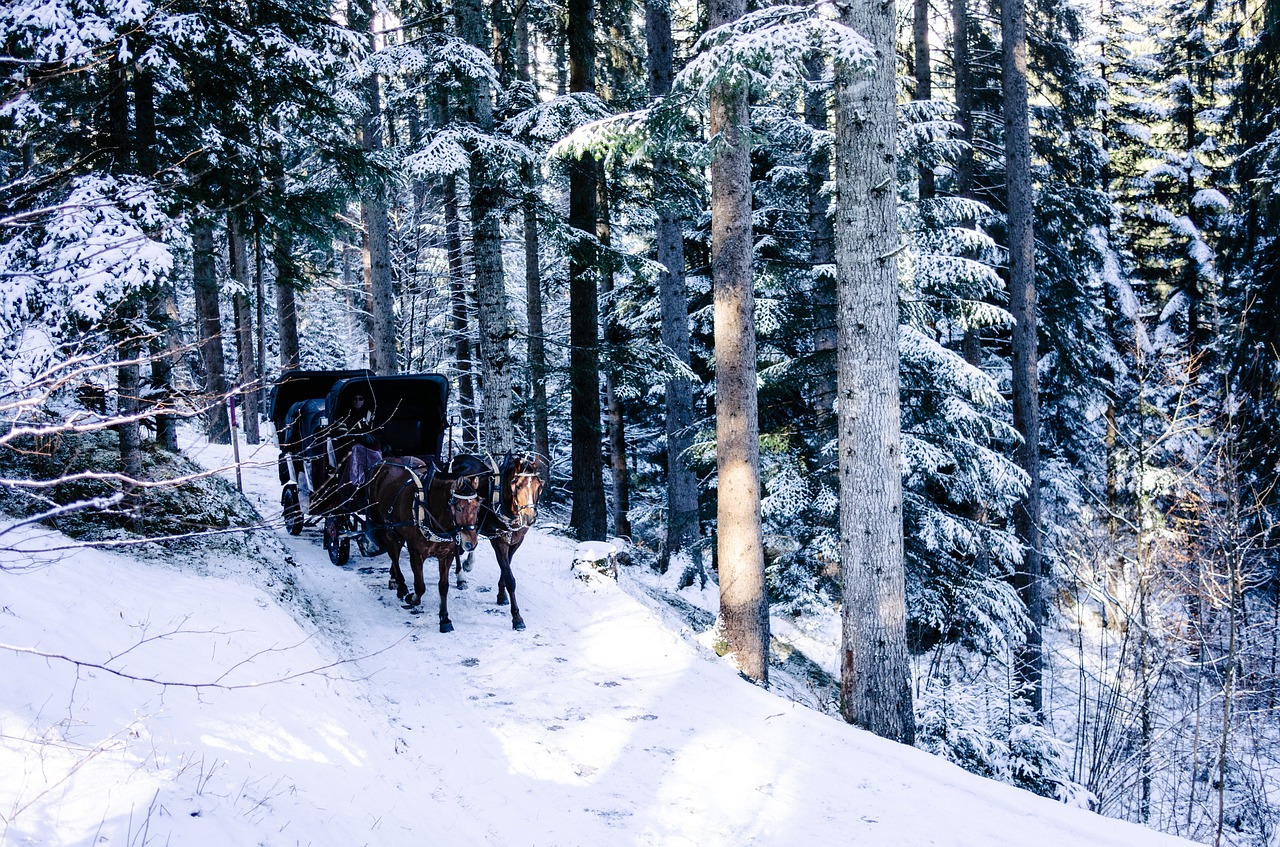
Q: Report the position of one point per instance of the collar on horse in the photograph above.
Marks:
(422, 516)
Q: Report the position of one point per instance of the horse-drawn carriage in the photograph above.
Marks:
(364, 454)
(335, 427)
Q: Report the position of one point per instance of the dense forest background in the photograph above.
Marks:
(524, 196)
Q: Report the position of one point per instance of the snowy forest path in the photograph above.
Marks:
(602, 724)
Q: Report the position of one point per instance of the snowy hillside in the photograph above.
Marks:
(331, 716)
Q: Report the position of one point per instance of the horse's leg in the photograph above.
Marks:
(417, 555)
(457, 570)
(444, 557)
(507, 581)
(397, 577)
(500, 548)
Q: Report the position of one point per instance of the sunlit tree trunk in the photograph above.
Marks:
(744, 606)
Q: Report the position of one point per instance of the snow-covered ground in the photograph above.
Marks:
(329, 715)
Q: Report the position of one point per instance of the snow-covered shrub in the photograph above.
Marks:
(979, 727)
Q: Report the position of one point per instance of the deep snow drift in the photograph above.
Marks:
(332, 716)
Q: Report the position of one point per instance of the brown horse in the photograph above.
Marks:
(509, 494)
(435, 515)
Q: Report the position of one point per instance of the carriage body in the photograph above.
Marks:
(318, 429)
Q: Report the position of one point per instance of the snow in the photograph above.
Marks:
(343, 719)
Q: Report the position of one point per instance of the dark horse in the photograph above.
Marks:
(509, 496)
(436, 515)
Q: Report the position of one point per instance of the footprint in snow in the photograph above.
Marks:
(635, 718)
(470, 663)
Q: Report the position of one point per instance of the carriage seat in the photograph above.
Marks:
(401, 438)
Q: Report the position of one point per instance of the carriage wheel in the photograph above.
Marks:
(339, 548)
(292, 511)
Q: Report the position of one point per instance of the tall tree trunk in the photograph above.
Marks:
(924, 81)
(822, 251)
(875, 683)
(260, 310)
(744, 606)
(247, 391)
(162, 308)
(458, 316)
(682, 484)
(286, 281)
(613, 335)
(533, 270)
(205, 284)
(588, 517)
(1028, 578)
(128, 406)
(126, 327)
(493, 317)
(286, 303)
(383, 358)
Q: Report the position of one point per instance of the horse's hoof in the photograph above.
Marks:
(462, 583)
(501, 601)
(446, 627)
(411, 599)
(518, 626)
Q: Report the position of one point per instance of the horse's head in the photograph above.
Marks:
(523, 482)
(464, 510)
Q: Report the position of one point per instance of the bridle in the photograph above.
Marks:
(501, 501)
(472, 528)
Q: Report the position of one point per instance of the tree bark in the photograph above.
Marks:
(744, 606)
(458, 317)
(286, 303)
(613, 406)
(1028, 578)
(162, 309)
(247, 391)
(383, 358)
(924, 80)
(822, 253)
(588, 517)
(682, 485)
(875, 683)
(493, 317)
(209, 321)
(533, 271)
(128, 405)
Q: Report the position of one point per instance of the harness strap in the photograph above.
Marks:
(422, 517)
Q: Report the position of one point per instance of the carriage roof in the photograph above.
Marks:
(410, 412)
(296, 386)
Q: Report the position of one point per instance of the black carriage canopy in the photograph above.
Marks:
(294, 387)
(409, 412)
